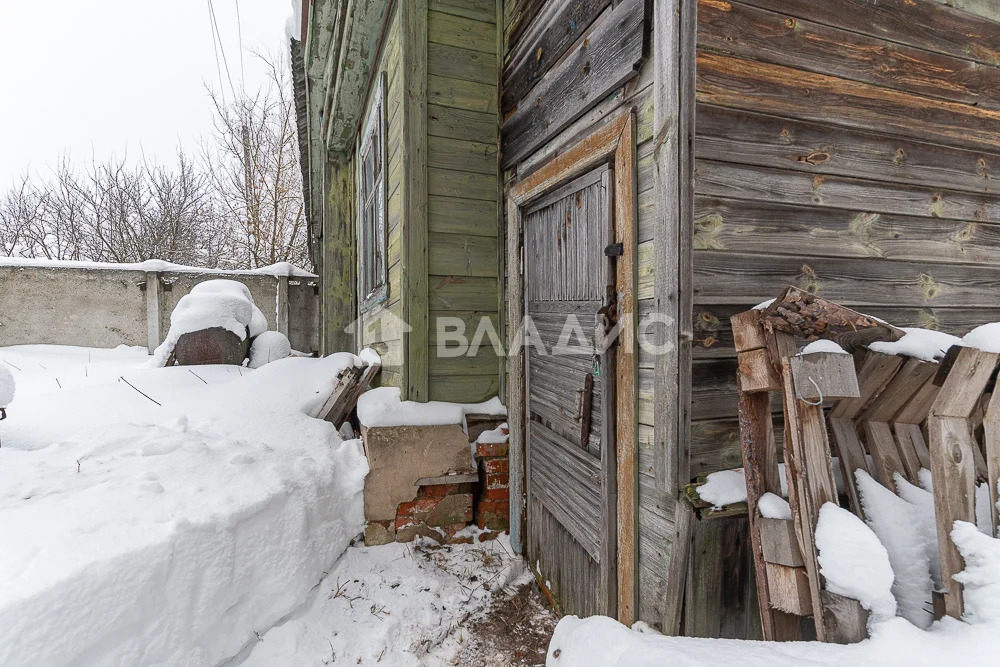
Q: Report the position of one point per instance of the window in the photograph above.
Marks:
(371, 205)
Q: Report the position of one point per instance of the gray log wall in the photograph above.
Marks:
(107, 307)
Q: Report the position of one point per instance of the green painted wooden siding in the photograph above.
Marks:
(380, 329)
(462, 220)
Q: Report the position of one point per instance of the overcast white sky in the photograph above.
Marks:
(99, 77)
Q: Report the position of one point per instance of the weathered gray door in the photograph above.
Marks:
(571, 525)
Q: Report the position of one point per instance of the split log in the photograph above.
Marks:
(808, 316)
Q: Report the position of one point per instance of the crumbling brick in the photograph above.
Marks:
(486, 449)
(450, 510)
(497, 480)
(495, 465)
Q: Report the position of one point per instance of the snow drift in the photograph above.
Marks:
(174, 542)
(6, 387)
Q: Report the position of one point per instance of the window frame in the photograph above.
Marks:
(373, 275)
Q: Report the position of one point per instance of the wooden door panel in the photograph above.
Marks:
(570, 455)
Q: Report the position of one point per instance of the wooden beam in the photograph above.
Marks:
(338, 297)
(760, 468)
(875, 370)
(674, 35)
(811, 484)
(674, 46)
(677, 570)
(991, 442)
(352, 69)
(966, 371)
(413, 279)
(627, 369)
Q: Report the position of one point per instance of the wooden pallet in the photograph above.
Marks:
(888, 416)
(789, 582)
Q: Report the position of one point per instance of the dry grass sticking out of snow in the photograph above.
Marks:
(398, 604)
(168, 518)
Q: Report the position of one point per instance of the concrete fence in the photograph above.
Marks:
(107, 305)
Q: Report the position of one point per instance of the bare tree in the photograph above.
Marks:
(253, 164)
(21, 215)
(239, 206)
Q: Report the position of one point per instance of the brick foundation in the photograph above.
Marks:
(439, 511)
(492, 507)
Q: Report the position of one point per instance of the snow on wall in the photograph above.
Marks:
(382, 407)
(278, 269)
(920, 343)
(76, 304)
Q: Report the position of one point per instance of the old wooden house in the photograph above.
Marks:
(671, 162)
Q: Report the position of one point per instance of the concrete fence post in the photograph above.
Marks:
(281, 305)
(153, 287)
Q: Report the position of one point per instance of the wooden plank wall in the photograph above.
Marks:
(462, 220)
(656, 509)
(379, 330)
(849, 148)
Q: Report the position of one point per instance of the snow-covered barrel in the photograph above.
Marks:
(213, 324)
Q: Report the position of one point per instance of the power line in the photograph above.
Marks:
(215, 52)
(239, 31)
(222, 48)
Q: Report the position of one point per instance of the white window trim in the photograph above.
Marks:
(372, 295)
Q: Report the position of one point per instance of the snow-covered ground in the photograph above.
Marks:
(164, 516)
(602, 642)
(400, 604)
(199, 516)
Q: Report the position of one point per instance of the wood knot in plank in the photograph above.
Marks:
(814, 158)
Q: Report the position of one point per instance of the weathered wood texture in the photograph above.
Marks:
(462, 134)
(851, 149)
(963, 376)
(545, 41)
(760, 463)
(381, 327)
(665, 528)
(559, 283)
(602, 59)
(810, 482)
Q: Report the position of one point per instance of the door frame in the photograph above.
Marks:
(613, 142)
